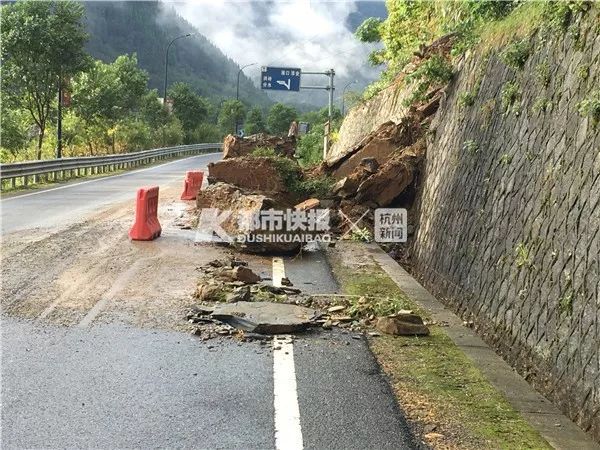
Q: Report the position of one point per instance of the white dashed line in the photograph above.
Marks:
(288, 432)
(278, 271)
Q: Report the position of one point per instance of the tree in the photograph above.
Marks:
(279, 118)
(255, 122)
(232, 112)
(108, 94)
(368, 31)
(42, 45)
(189, 108)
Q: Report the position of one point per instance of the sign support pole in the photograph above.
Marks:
(271, 79)
(330, 88)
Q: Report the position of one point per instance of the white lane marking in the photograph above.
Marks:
(278, 271)
(288, 432)
(103, 178)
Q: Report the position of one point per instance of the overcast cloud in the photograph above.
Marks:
(308, 34)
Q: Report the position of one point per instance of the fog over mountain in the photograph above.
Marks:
(312, 35)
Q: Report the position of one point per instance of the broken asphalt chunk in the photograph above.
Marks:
(265, 317)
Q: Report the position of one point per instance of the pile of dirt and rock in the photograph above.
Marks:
(383, 166)
(234, 146)
(235, 301)
(249, 185)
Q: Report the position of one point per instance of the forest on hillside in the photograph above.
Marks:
(146, 28)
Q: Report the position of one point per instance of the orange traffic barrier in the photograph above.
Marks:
(146, 226)
(192, 185)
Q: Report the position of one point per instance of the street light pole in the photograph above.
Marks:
(344, 95)
(237, 92)
(167, 63)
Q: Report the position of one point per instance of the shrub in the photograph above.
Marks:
(264, 151)
(436, 70)
(542, 74)
(591, 107)
(510, 94)
(515, 55)
(207, 132)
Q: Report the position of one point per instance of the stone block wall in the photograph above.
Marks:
(509, 223)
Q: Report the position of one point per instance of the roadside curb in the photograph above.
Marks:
(544, 416)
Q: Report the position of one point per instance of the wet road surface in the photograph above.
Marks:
(113, 385)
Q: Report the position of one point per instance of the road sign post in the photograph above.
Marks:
(288, 79)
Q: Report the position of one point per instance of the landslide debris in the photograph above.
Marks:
(235, 301)
(234, 146)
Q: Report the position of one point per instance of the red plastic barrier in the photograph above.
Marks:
(192, 185)
(146, 226)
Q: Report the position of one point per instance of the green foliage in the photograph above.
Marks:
(368, 31)
(189, 108)
(412, 23)
(511, 93)
(470, 146)
(14, 129)
(541, 104)
(232, 112)
(558, 14)
(362, 235)
(146, 27)
(542, 74)
(264, 151)
(590, 106)
(515, 55)
(318, 187)
(522, 258)
(505, 159)
(255, 122)
(207, 132)
(42, 44)
(467, 98)
(583, 72)
(310, 146)
(435, 71)
(109, 92)
(132, 135)
(280, 117)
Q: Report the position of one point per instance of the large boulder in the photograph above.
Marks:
(244, 206)
(393, 177)
(378, 146)
(257, 174)
(234, 146)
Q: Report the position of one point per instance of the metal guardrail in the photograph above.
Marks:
(62, 168)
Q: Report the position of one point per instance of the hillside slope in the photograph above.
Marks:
(146, 28)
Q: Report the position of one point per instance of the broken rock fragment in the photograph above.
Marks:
(265, 317)
(311, 203)
(403, 326)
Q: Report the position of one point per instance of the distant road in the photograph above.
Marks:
(70, 202)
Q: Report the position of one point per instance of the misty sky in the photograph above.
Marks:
(308, 34)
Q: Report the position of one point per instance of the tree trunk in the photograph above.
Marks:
(40, 141)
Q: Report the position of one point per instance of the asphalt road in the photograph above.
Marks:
(71, 202)
(109, 385)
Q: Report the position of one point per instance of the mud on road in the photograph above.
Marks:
(90, 272)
